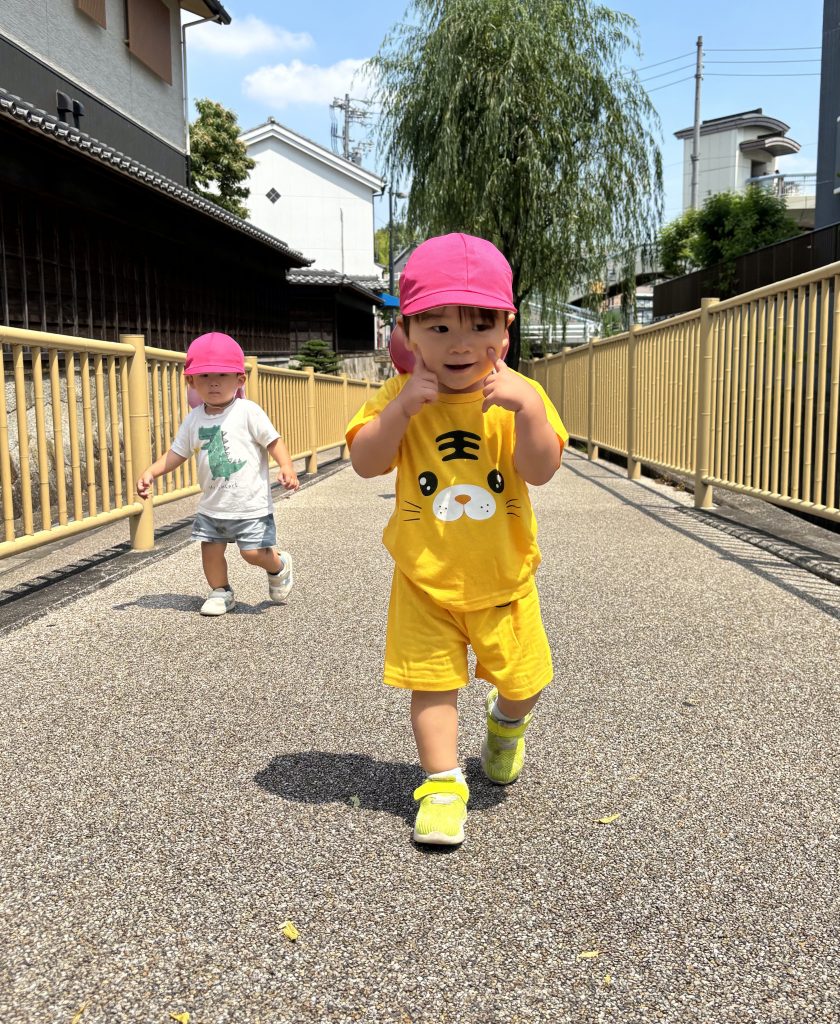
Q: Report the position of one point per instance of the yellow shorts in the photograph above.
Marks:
(426, 644)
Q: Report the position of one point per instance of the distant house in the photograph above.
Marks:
(315, 200)
(322, 204)
(742, 149)
(734, 149)
(99, 234)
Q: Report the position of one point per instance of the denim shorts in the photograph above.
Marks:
(249, 534)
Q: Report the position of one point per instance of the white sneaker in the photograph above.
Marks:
(219, 602)
(280, 585)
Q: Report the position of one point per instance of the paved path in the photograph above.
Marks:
(176, 788)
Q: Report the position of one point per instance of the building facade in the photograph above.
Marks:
(113, 68)
(317, 201)
(99, 235)
(734, 149)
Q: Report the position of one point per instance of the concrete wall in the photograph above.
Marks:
(723, 167)
(828, 147)
(99, 60)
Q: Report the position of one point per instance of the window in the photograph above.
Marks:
(150, 35)
(272, 195)
(93, 9)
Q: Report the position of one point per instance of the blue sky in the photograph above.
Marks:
(290, 61)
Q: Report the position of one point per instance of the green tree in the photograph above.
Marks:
(675, 245)
(728, 225)
(320, 355)
(517, 120)
(219, 162)
(381, 238)
(732, 223)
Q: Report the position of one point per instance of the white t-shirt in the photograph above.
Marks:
(232, 458)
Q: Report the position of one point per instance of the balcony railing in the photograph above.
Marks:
(787, 186)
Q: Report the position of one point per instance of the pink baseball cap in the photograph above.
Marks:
(214, 353)
(456, 270)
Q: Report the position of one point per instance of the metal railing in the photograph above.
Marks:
(786, 186)
(88, 416)
(742, 394)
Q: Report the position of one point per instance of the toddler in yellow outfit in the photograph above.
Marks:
(467, 435)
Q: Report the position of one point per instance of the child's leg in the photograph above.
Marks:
(264, 558)
(434, 719)
(215, 565)
(443, 796)
(515, 710)
(513, 654)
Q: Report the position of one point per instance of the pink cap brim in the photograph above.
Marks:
(479, 300)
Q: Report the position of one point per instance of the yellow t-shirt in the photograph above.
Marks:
(463, 528)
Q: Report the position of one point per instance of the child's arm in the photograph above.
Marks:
(280, 453)
(165, 464)
(375, 446)
(538, 449)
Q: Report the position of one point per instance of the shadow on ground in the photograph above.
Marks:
(187, 603)
(319, 777)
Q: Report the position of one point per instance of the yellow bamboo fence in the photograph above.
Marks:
(80, 419)
(742, 394)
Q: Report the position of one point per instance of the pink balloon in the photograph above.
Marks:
(401, 355)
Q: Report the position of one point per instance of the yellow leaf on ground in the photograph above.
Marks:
(182, 1018)
(608, 819)
(589, 954)
(608, 979)
(290, 931)
(355, 801)
(78, 1014)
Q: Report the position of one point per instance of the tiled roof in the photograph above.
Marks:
(315, 276)
(48, 124)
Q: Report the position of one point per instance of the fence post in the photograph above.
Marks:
(562, 406)
(312, 425)
(345, 394)
(703, 491)
(252, 382)
(634, 467)
(591, 447)
(142, 525)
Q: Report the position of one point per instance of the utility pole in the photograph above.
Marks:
(695, 151)
(351, 113)
(392, 195)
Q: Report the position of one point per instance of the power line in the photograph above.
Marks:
(801, 60)
(761, 49)
(670, 60)
(668, 84)
(763, 74)
(662, 74)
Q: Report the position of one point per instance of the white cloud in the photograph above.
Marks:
(244, 36)
(282, 84)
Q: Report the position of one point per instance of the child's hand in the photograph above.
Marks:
(504, 388)
(422, 388)
(288, 478)
(145, 484)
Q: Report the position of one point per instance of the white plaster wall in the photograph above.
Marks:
(321, 212)
(98, 59)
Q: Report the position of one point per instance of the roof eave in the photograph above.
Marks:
(207, 9)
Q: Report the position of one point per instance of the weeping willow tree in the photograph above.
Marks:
(517, 120)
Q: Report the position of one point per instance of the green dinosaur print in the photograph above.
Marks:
(217, 453)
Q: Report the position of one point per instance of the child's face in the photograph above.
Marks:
(216, 388)
(453, 343)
